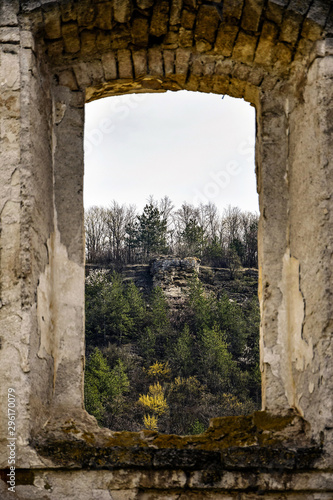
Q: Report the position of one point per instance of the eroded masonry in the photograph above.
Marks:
(55, 55)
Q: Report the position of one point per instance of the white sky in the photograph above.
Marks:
(191, 146)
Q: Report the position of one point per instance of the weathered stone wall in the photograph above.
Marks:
(54, 56)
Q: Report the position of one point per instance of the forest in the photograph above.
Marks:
(120, 235)
(153, 365)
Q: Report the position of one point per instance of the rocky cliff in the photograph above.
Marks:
(173, 276)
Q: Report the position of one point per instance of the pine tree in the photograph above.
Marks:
(151, 231)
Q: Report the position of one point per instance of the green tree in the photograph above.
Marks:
(216, 359)
(200, 305)
(137, 309)
(182, 357)
(151, 230)
(159, 311)
(147, 343)
(109, 313)
(103, 386)
(229, 315)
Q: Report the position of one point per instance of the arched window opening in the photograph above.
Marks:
(172, 315)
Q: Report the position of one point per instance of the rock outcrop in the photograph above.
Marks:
(173, 274)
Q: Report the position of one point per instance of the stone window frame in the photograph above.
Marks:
(46, 281)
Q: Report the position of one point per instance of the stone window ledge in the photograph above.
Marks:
(262, 440)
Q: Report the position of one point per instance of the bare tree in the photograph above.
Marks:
(95, 233)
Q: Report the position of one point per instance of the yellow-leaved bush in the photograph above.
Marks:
(155, 403)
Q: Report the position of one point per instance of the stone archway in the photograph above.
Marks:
(55, 55)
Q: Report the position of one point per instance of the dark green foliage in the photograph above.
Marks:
(211, 347)
(115, 312)
(104, 387)
(151, 231)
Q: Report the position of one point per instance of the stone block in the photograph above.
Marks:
(224, 67)
(96, 72)
(163, 479)
(172, 39)
(188, 19)
(299, 6)
(268, 85)
(86, 15)
(82, 74)
(10, 70)
(232, 9)
(88, 42)
(122, 10)
(125, 63)
(251, 94)
(155, 62)
(282, 57)
(182, 61)
(27, 40)
(67, 79)
(68, 12)
(185, 38)
(241, 71)
(266, 45)
(290, 27)
(52, 24)
(120, 37)
(220, 84)
(196, 65)
(139, 31)
(208, 62)
(245, 47)
(274, 11)
(9, 35)
(256, 76)
(251, 14)
(144, 4)
(121, 479)
(225, 39)
(236, 88)
(109, 66)
(311, 29)
(207, 24)
(104, 16)
(175, 12)
(140, 62)
(169, 62)
(323, 48)
(8, 12)
(303, 48)
(103, 41)
(192, 4)
(71, 38)
(160, 19)
(55, 49)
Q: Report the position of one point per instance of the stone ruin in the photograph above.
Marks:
(55, 55)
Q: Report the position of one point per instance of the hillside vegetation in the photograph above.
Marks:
(150, 365)
(169, 354)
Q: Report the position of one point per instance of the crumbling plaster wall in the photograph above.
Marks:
(55, 55)
(26, 220)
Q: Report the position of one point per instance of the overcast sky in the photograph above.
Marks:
(190, 146)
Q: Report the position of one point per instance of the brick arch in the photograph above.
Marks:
(225, 47)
